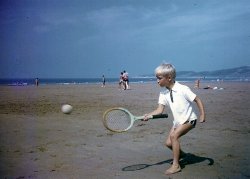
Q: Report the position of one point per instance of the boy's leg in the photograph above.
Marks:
(174, 137)
(169, 143)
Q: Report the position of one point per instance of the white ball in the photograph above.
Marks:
(67, 109)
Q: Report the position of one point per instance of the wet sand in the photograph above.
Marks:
(38, 141)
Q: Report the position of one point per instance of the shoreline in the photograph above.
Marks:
(86, 81)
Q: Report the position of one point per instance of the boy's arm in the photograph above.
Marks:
(201, 108)
(159, 110)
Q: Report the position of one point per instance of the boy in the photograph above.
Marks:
(179, 98)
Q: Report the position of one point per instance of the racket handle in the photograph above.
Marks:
(160, 116)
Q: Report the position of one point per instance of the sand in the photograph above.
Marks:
(38, 141)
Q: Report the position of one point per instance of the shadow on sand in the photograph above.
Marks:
(187, 160)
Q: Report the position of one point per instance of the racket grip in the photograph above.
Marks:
(160, 116)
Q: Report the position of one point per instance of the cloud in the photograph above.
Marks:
(161, 26)
(53, 20)
(57, 19)
(206, 23)
(41, 28)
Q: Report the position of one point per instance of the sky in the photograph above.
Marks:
(89, 38)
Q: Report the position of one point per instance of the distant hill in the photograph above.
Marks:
(243, 71)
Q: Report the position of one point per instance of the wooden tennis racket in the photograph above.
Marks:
(121, 120)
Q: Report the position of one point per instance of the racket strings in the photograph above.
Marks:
(117, 120)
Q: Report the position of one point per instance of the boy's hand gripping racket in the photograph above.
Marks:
(121, 120)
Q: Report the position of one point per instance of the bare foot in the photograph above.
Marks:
(173, 169)
(202, 120)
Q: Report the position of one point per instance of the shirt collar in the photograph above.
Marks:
(175, 87)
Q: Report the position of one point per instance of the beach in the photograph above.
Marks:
(39, 141)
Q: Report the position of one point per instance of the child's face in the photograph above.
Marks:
(164, 81)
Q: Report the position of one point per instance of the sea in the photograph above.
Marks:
(83, 81)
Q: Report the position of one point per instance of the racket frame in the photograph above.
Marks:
(132, 118)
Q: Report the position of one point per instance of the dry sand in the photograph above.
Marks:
(38, 141)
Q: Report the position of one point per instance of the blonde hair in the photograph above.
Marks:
(166, 69)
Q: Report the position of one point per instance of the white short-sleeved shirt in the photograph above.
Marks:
(181, 107)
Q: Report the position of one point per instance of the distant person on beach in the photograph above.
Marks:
(36, 81)
(208, 87)
(103, 81)
(121, 82)
(126, 80)
(179, 98)
(197, 84)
